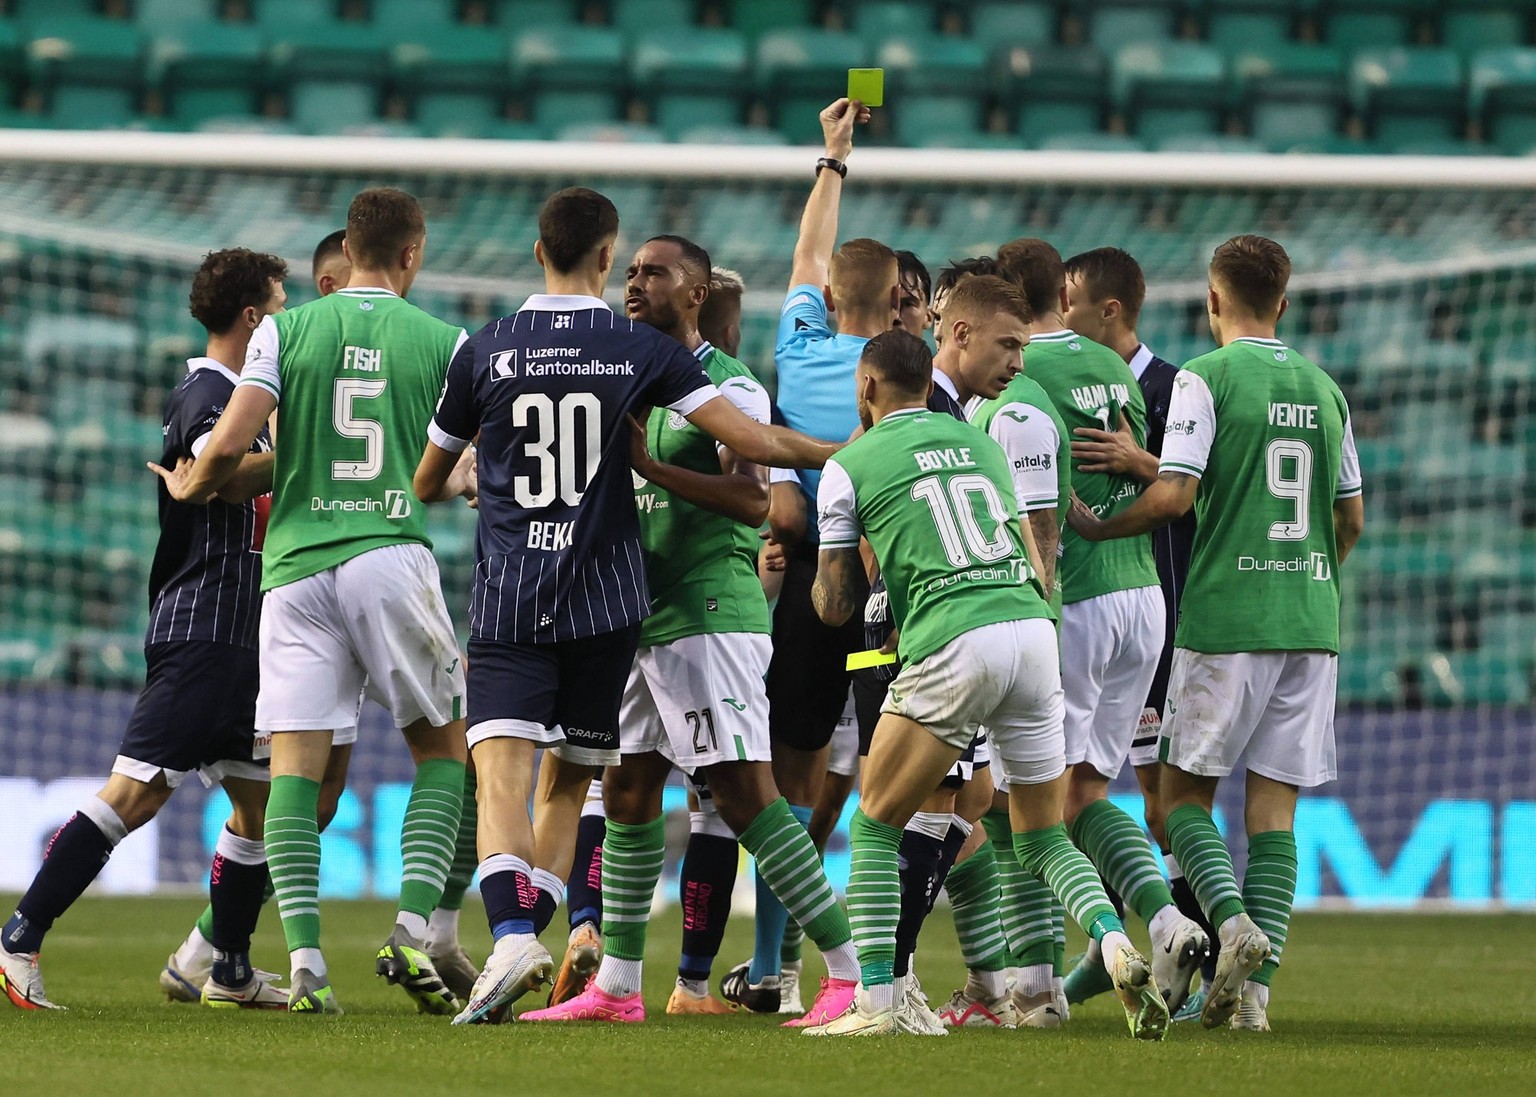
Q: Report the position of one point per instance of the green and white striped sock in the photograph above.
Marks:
(427, 834)
(1269, 890)
(874, 903)
(632, 860)
(292, 838)
(789, 861)
(1195, 841)
(975, 901)
(466, 858)
(1050, 856)
(1118, 846)
(1026, 902)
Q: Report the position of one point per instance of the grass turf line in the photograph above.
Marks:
(1391, 1004)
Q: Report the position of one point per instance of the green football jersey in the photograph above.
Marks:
(357, 376)
(1090, 385)
(934, 497)
(1024, 421)
(701, 566)
(1268, 433)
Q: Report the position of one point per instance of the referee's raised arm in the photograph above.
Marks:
(818, 224)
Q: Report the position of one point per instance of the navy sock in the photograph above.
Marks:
(584, 889)
(509, 897)
(917, 864)
(235, 891)
(74, 857)
(954, 838)
(544, 905)
(707, 882)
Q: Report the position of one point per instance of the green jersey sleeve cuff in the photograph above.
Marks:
(248, 379)
(823, 546)
(1181, 467)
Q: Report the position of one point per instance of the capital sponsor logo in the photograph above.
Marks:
(586, 735)
(1182, 426)
(1033, 462)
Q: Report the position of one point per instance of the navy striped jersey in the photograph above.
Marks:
(205, 582)
(1171, 545)
(548, 391)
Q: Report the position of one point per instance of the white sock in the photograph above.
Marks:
(696, 987)
(1172, 864)
(842, 963)
(620, 978)
(1257, 993)
(1231, 927)
(111, 825)
(513, 942)
(986, 985)
(1164, 921)
(195, 953)
(414, 925)
(1034, 980)
(965, 825)
(1111, 944)
(880, 997)
(935, 824)
(308, 958)
(1013, 977)
(443, 929)
(899, 987)
(548, 883)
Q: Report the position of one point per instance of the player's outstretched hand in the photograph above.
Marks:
(1106, 451)
(837, 123)
(773, 552)
(464, 480)
(1083, 521)
(178, 481)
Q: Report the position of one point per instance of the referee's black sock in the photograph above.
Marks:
(75, 856)
(922, 845)
(236, 884)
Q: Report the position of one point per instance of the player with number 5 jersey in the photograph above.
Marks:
(1259, 441)
(353, 597)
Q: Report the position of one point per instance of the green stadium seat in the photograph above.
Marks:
(515, 16)
(503, 129)
(1511, 635)
(209, 70)
(1477, 678)
(41, 9)
(1409, 94)
(455, 78)
(611, 133)
(644, 16)
(1442, 148)
(1057, 90)
(1368, 678)
(878, 20)
(160, 16)
(1006, 22)
(1221, 144)
(585, 59)
(402, 20)
(89, 70)
(334, 75)
(1297, 92)
(930, 64)
(1169, 87)
(920, 117)
(692, 77)
(1242, 25)
(808, 62)
(285, 15)
(731, 135)
(1503, 96)
(1092, 141)
(11, 67)
(553, 110)
(1113, 26)
(1481, 28)
(1359, 30)
(757, 17)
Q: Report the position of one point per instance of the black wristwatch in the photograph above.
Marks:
(836, 165)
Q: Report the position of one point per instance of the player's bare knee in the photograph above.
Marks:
(329, 802)
(135, 802)
(429, 742)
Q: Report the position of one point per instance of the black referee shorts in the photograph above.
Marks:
(197, 709)
(808, 678)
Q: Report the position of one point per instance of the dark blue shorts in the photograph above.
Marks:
(564, 695)
(197, 710)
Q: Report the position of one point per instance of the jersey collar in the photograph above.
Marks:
(367, 291)
(902, 411)
(941, 379)
(1065, 335)
(1259, 342)
(195, 364)
(1140, 360)
(703, 350)
(562, 302)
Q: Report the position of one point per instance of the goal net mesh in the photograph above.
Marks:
(1420, 301)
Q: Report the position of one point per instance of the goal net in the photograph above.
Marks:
(1415, 286)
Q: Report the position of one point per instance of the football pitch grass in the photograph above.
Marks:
(1366, 1004)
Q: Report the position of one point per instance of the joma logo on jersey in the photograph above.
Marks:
(1093, 397)
(1315, 566)
(395, 505)
(504, 365)
(550, 536)
(362, 358)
